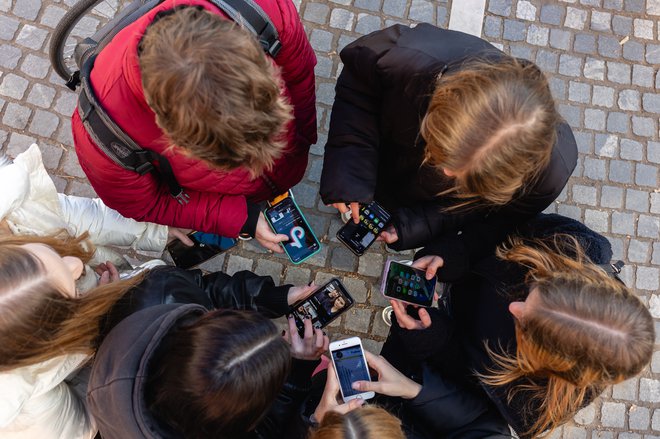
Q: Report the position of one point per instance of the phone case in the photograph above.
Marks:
(354, 251)
(350, 304)
(302, 215)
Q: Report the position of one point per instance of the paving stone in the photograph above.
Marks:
(639, 418)
(560, 39)
(323, 66)
(521, 51)
(611, 196)
(595, 69)
(609, 46)
(35, 66)
(621, 171)
(622, 26)
(50, 155)
(648, 227)
(13, 86)
(570, 65)
(525, 10)
(52, 16)
(642, 75)
(320, 258)
(655, 202)
(651, 102)
(297, 275)
(421, 10)
(623, 223)
(586, 415)
(570, 113)
(85, 190)
(358, 319)
(653, 56)
(579, 92)
(8, 27)
(572, 432)
(442, 17)
(629, 100)
(396, 8)
(367, 23)
(618, 72)
(601, 21)
(321, 40)
(557, 87)
(618, 122)
(238, 263)
(552, 14)
(28, 9)
(631, 150)
(5, 5)
(341, 19)
(643, 126)
(573, 212)
(594, 119)
(44, 123)
(16, 116)
(634, 5)
(594, 168)
(584, 194)
(343, 259)
(633, 51)
(585, 43)
(500, 7)
(606, 145)
(372, 5)
(653, 7)
(603, 96)
(637, 200)
(643, 28)
(316, 12)
(546, 60)
(357, 288)
(514, 30)
(371, 264)
(647, 279)
(596, 220)
(653, 152)
(71, 166)
(575, 18)
(655, 364)
(31, 37)
(493, 27)
(638, 252)
(613, 414)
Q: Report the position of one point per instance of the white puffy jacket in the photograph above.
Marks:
(36, 401)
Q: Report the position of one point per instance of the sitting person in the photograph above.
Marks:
(49, 328)
(539, 329)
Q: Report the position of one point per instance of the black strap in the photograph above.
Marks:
(613, 269)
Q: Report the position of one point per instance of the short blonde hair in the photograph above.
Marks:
(215, 93)
(493, 124)
(365, 423)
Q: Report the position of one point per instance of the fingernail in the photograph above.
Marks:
(307, 317)
(360, 401)
(356, 386)
(290, 316)
(325, 333)
(310, 283)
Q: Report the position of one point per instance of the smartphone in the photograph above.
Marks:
(322, 306)
(358, 237)
(350, 366)
(286, 218)
(206, 246)
(407, 284)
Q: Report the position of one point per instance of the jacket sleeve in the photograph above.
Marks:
(350, 167)
(108, 227)
(144, 198)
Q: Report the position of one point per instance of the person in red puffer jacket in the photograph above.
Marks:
(191, 85)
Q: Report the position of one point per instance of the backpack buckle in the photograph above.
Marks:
(182, 198)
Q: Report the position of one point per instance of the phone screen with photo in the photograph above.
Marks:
(351, 366)
(323, 306)
(358, 237)
(285, 218)
(205, 246)
(409, 284)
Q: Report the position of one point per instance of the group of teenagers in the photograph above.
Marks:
(461, 143)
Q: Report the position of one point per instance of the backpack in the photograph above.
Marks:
(107, 135)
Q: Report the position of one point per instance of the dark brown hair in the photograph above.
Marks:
(218, 376)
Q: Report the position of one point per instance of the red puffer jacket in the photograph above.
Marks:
(218, 199)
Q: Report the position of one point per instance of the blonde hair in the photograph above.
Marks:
(493, 124)
(215, 93)
(585, 331)
(363, 423)
(41, 322)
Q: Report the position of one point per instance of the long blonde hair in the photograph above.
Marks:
(364, 423)
(493, 124)
(586, 331)
(37, 321)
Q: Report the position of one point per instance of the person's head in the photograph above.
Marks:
(366, 422)
(579, 328)
(338, 304)
(41, 316)
(215, 93)
(219, 374)
(491, 126)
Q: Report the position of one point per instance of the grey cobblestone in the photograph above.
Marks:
(608, 46)
(560, 39)
(500, 7)
(618, 122)
(358, 319)
(16, 116)
(594, 119)
(343, 259)
(647, 279)
(13, 86)
(371, 264)
(321, 40)
(618, 72)
(622, 26)
(421, 10)
(342, 19)
(493, 27)
(44, 123)
(603, 96)
(35, 66)
(596, 220)
(31, 37)
(66, 103)
(648, 227)
(606, 145)
(575, 18)
(8, 27)
(570, 65)
(611, 196)
(579, 92)
(514, 30)
(269, 268)
(585, 43)
(623, 223)
(297, 275)
(584, 194)
(367, 23)
(643, 126)
(646, 175)
(634, 5)
(653, 152)
(525, 10)
(586, 415)
(28, 9)
(631, 150)
(633, 51)
(395, 8)
(372, 5)
(537, 35)
(651, 102)
(629, 100)
(552, 14)
(639, 418)
(9, 56)
(594, 69)
(643, 28)
(613, 414)
(637, 200)
(601, 21)
(238, 263)
(642, 75)
(653, 53)
(638, 251)
(316, 12)
(52, 16)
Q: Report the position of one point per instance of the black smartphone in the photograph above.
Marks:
(407, 284)
(286, 218)
(322, 306)
(358, 237)
(206, 246)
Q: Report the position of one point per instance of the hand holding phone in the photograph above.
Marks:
(390, 382)
(328, 402)
(285, 218)
(311, 345)
(373, 219)
(407, 284)
(350, 366)
(205, 246)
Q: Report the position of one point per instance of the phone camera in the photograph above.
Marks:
(339, 355)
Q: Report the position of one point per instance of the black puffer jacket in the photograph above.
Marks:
(374, 148)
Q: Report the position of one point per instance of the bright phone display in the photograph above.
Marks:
(286, 218)
(358, 237)
(206, 246)
(323, 306)
(408, 284)
(350, 366)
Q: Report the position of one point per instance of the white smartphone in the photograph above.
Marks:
(350, 366)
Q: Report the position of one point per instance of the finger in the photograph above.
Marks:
(350, 405)
(425, 318)
(306, 291)
(402, 317)
(433, 267)
(319, 339)
(101, 268)
(331, 383)
(105, 278)
(368, 386)
(293, 329)
(341, 207)
(272, 246)
(355, 212)
(183, 237)
(326, 343)
(114, 273)
(309, 329)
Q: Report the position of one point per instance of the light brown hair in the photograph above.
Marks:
(586, 330)
(37, 321)
(493, 124)
(218, 376)
(367, 422)
(215, 93)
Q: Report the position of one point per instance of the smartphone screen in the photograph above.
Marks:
(323, 306)
(285, 218)
(206, 246)
(351, 366)
(358, 237)
(409, 284)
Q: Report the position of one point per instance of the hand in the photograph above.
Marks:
(390, 382)
(355, 209)
(430, 264)
(296, 294)
(4, 228)
(329, 402)
(311, 346)
(180, 234)
(264, 234)
(108, 273)
(406, 321)
(388, 235)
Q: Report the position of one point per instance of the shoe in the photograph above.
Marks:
(244, 237)
(140, 268)
(387, 315)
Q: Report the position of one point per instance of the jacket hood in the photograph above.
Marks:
(117, 382)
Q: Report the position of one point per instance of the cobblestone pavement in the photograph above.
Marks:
(601, 57)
